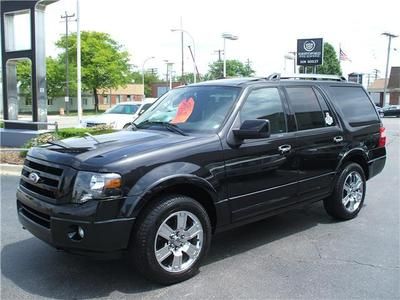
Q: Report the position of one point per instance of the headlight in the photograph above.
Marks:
(89, 185)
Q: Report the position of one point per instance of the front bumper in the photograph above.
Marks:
(54, 223)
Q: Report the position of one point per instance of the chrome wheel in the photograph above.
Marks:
(353, 191)
(178, 241)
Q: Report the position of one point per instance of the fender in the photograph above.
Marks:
(160, 178)
(353, 152)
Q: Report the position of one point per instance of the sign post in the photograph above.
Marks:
(310, 52)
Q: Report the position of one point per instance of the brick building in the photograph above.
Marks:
(108, 98)
(376, 88)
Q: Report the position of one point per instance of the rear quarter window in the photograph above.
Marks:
(354, 104)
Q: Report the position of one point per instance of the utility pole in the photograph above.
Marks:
(66, 17)
(219, 51)
(390, 36)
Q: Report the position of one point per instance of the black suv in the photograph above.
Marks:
(202, 159)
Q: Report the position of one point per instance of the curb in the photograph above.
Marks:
(8, 169)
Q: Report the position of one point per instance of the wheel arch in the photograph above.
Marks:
(187, 185)
(357, 156)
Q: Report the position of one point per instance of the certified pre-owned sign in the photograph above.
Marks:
(310, 52)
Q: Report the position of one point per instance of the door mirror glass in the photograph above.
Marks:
(253, 129)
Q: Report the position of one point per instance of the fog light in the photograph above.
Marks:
(76, 233)
(81, 232)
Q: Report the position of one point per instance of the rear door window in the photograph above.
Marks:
(355, 105)
(306, 107)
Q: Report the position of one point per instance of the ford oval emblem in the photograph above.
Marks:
(34, 177)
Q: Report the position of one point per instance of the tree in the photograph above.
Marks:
(331, 64)
(234, 68)
(149, 79)
(24, 80)
(55, 78)
(105, 64)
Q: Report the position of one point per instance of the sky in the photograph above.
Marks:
(267, 30)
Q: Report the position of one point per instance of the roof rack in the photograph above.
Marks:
(278, 76)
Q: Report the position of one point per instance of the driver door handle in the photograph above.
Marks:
(338, 139)
(284, 148)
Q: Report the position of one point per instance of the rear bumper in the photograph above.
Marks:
(45, 221)
(376, 166)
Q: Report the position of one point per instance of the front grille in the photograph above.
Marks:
(34, 215)
(49, 178)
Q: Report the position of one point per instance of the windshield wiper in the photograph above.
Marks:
(169, 126)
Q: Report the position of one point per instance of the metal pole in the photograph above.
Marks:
(390, 36)
(169, 66)
(224, 57)
(66, 62)
(294, 60)
(78, 62)
(144, 62)
(182, 54)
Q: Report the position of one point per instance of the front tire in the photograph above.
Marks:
(348, 196)
(171, 238)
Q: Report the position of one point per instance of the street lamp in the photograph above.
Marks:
(227, 36)
(194, 50)
(290, 57)
(169, 72)
(390, 36)
(144, 62)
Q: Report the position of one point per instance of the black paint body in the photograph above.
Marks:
(237, 181)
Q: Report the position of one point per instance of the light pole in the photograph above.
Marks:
(144, 62)
(78, 62)
(169, 72)
(227, 36)
(289, 57)
(294, 53)
(194, 50)
(390, 36)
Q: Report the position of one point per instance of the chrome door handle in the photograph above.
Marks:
(338, 139)
(284, 148)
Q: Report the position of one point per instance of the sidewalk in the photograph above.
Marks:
(63, 121)
(13, 170)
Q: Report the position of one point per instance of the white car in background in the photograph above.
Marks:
(119, 116)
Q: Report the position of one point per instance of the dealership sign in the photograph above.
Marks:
(310, 52)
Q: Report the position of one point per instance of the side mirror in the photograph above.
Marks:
(253, 129)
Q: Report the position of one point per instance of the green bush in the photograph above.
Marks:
(64, 133)
(1, 124)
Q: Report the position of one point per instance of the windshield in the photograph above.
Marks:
(201, 108)
(122, 109)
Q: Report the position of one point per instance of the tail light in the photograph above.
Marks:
(382, 137)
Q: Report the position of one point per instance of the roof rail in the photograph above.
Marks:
(277, 76)
(274, 76)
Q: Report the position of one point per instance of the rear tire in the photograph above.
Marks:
(171, 238)
(349, 192)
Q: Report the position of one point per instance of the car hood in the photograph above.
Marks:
(101, 150)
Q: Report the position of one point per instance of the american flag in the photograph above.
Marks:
(343, 56)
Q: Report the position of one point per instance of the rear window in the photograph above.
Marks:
(306, 108)
(355, 105)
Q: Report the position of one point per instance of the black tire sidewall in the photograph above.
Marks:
(168, 206)
(338, 206)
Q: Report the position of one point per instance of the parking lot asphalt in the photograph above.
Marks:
(299, 254)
